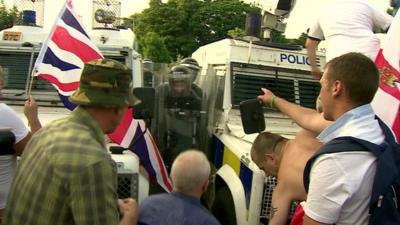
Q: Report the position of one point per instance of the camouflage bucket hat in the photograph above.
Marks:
(105, 82)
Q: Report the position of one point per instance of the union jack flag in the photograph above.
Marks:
(134, 135)
(64, 53)
(61, 59)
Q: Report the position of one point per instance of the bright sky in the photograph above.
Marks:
(304, 12)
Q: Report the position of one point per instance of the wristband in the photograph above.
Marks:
(272, 104)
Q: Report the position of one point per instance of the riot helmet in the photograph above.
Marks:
(192, 65)
(148, 78)
(180, 82)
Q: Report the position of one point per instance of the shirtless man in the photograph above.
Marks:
(284, 159)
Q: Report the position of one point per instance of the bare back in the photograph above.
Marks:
(294, 159)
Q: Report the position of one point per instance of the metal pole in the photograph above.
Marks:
(249, 52)
(29, 77)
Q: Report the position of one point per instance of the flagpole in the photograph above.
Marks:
(30, 85)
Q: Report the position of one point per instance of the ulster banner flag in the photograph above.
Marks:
(387, 99)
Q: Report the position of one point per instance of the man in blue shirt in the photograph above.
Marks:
(190, 175)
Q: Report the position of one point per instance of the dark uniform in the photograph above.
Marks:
(178, 113)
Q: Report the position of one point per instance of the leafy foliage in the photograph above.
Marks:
(236, 33)
(7, 16)
(154, 48)
(213, 21)
(278, 37)
(389, 11)
(185, 25)
(300, 40)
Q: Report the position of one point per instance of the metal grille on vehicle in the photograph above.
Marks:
(293, 85)
(128, 185)
(270, 183)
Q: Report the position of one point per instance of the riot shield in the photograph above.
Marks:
(180, 119)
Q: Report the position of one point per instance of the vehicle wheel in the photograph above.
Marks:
(223, 208)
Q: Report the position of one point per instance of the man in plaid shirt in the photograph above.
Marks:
(66, 175)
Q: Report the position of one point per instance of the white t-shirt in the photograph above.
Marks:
(341, 189)
(341, 183)
(9, 119)
(348, 26)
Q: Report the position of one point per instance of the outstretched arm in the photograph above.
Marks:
(311, 46)
(306, 118)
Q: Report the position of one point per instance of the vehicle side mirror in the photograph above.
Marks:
(252, 116)
(145, 109)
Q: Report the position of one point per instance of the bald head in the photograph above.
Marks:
(190, 171)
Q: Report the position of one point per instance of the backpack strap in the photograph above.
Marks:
(386, 165)
(341, 144)
(389, 136)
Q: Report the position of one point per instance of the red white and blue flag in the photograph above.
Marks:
(61, 59)
(64, 53)
(133, 134)
(387, 99)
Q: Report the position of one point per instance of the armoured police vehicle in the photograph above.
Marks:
(233, 71)
(238, 72)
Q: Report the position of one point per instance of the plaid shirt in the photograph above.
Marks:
(65, 176)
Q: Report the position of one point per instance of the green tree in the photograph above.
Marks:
(301, 40)
(154, 3)
(389, 11)
(7, 16)
(278, 37)
(236, 33)
(154, 48)
(213, 21)
(186, 25)
(164, 19)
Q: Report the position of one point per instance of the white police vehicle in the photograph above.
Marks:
(234, 71)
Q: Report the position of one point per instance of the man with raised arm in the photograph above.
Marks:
(14, 136)
(341, 183)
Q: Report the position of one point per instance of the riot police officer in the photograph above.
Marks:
(178, 112)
